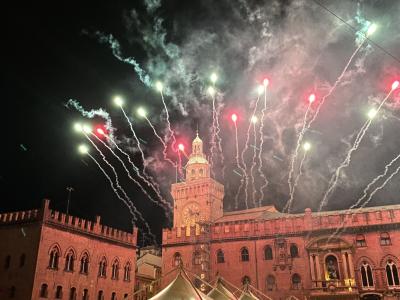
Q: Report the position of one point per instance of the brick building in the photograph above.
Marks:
(285, 256)
(46, 254)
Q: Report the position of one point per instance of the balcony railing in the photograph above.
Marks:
(344, 286)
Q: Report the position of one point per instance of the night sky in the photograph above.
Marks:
(64, 51)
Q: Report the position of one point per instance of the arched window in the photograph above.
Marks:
(127, 272)
(12, 292)
(84, 269)
(244, 254)
(72, 294)
(392, 274)
(113, 296)
(7, 262)
(360, 241)
(220, 257)
(100, 295)
(43, 291)
(197, 258)
(385, 239)
(294, 251)
(54, 256)
(59, 292)
(177, 259)
(246, 280)
(126, 296)
(102, 267)
(69, 261)
(296, 282)
(22, 260)
(268, 253)
(85, 294)
(270, 283)
(115, 269)
(366, 275)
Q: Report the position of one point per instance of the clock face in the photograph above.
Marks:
(191, 214)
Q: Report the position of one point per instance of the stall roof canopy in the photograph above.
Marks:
(220, 292)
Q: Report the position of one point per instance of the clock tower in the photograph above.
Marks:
(199, 198)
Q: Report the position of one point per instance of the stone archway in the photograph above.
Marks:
(371, 296)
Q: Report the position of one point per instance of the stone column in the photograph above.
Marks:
(344, 262)
(318, 267)
(351, 266)
(312, 262)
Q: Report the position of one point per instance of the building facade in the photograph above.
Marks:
(312, 255)
(46, 254)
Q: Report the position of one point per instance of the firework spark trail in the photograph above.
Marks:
(170, 131)
(295, 154)
(365, 193)
(246, 146)
(132, 209)
(218, 137)
(254, 163)
(179, 166)
(296, 180)
(162, 142)
(92, 113)
(338, 80)
(165, 209)
(243, 171)
(164, 202)
(213, 135)
(260, 160)
(347, 160)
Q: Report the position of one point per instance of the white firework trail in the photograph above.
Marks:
(218, 137)
(149, 184)
(290, 201)
(170, 131)
(296, 152)
(165, 147)
(260, 160)
(245, 148)
(335, 177)
(253, 165)
(243, 171)
(162, 205)
(213, 134)
(132, 209)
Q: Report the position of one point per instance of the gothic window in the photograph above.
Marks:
(7, 262)
(84, 269)
(100, 295)
(102, 267)
(69, 261)
(127, 272)
(366, 275)
(113, 296)
(177, 259)
(196, 258)
(360, 241)
(72, 294)
(268, 253)
(392, 274)
(43, 291)
(115, 269)
(220, 256)
(294, 251)
(12, 292)
(54, 256)
(22, 260)
(385, 239)
(296, 282)
(244, 254)
(85, 294)
(246, 280)
(270, 283)
(59, 292)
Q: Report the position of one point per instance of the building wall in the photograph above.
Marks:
(311, 233)
(19, 235)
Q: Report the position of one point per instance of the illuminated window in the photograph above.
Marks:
(268, 253)
(220, 256)
(244, 254)
(360, 241)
